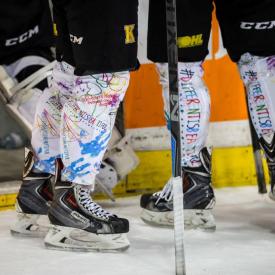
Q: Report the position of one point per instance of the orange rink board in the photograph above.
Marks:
(144, 106)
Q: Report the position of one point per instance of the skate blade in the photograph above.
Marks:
(199, 219)
(73, 239)
(159, 219)
(193, 219)
(29, 225)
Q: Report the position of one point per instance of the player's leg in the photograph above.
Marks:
(194, 116)
(258, 74)
(119, 159)
(88, 115)
(248, 39)
(35, 193)
(199, 196)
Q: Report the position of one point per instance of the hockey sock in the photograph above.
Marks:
(194, 107)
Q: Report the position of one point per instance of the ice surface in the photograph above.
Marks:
(244, 244)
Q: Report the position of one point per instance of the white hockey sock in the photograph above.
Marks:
(87, 121)
(258, 75)
(194, 107)
(46, 130)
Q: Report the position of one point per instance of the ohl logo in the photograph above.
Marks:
(190, 41)
(129, 34)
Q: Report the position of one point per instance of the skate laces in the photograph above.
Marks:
(88, 204)
(166, 193)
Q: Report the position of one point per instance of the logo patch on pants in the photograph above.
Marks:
(75, 39)
(267, 25)
(190, 41)
(23, 37)
(129, 34)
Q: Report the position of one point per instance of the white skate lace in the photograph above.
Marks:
(166, 193)
(88, 204)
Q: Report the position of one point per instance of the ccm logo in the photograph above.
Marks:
(76, 40)
(22, 38)
(258, 25)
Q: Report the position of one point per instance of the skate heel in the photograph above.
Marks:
(199, 219)
(193, 219)
(163, 219)
(73, 239)
(29, 225)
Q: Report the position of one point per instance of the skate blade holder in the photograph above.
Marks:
(29, 225)
(73, 239)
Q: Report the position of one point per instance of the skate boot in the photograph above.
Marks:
(32, 202)
(79, 224)
(199, 199)
(269, 150)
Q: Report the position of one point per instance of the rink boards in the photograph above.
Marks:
(231, 167)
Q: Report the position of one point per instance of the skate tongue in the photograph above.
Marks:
(269, 139)
(83, 196)
(87, 188)
(166, 193)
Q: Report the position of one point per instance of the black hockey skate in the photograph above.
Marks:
(269, 150)
(199, 199)
(32, 202)
(80, 224)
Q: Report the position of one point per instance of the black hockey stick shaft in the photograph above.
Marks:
(257, 155)
(258, 160)
(119, 122)
(178, 205)
(172, 50)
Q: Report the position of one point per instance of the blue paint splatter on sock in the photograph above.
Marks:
(46, 165)
(95, 147)
(73, 170)
(83, 133)
(97, 166)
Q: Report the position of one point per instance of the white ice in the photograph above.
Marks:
(244, 244)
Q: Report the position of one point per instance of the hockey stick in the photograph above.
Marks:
(172, 50)
(257, 155)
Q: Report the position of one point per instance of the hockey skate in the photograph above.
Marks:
(32, 203)
(199, 199)
(269, 150)
(79, 224)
